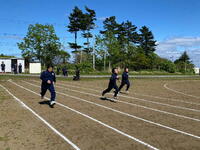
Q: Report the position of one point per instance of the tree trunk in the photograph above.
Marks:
(105, 62)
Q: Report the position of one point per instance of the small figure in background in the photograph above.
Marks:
(15, 68)
(20, 68)
(58, 70)
(64, 70)
(77, 76)
(3, 67)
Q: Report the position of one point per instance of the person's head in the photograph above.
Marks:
(2, 62)
(50, 68)
(115, 70)
(126, 69)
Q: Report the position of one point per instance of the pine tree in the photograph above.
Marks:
(88, 24)
(146, 41)
(75, 25)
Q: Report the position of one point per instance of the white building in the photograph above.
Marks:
(196, 70)
(10, 62)
(35, 67)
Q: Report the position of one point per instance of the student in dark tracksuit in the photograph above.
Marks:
(48, 79)
(3, 66)
(112, 84)
(20, 68)
(125, 80)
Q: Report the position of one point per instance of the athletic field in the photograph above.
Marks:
(156, 114)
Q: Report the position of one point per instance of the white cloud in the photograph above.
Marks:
(102, 18)
(174, 47)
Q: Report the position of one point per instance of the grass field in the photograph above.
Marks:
(156, 114)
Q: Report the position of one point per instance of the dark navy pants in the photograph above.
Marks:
(110, 87)
(50, 87)
(124, 83)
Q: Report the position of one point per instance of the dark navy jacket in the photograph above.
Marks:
(46, 75)
(113, 79)
(3, 66)
(125, 77)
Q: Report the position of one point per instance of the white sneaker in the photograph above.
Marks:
(127, 92)
(115, 97)
(52, 103)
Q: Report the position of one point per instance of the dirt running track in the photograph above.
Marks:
(151, 113)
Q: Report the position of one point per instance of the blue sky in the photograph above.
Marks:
(174, 23)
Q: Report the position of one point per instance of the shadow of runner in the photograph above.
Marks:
(45, 103)
(107, 99)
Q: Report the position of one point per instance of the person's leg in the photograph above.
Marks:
(121, 86)
(53, 95)
(128, 86)
(116, 90)
(107, 90)
(52, 91)
(43, 90)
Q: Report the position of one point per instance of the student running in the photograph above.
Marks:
(125, 80)
(112, 84)
(48, 79)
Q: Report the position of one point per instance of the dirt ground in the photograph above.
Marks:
(162, 113)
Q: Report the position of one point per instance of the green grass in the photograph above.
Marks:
(4, 139)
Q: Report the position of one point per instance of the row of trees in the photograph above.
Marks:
(118, 44)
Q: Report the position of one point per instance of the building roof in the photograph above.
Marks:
(12, 58)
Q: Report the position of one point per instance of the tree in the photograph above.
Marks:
(183, 58)
(146, 41)
(76, 19)
(110, 25)
(41, 43)
(88, 24)
(184, 64)
(62, 57)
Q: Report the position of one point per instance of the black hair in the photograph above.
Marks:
(125, 68)
(49, 66)
(113, 70)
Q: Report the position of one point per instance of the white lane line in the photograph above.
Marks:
(43, 120)
(165, 86)
(127, 103)
(126, 114)
(149, 101)
(93, 119)
(171, 99)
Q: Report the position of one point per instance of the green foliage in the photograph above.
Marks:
(84, 22)
(183, 64)
(146, 40)
(41, 42)
(165, 65)
(6, 56)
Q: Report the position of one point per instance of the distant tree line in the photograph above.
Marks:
(119, 44)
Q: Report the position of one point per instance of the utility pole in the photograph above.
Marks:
(93, 57)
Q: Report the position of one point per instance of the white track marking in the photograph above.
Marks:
(136, 105)
(165, 86)
(132, 116)
(93, 119)
(149, 108)
(149, 101)
(171, 99)
(43, 120)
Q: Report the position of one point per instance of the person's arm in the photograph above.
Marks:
(54, 78)
(43, 77)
